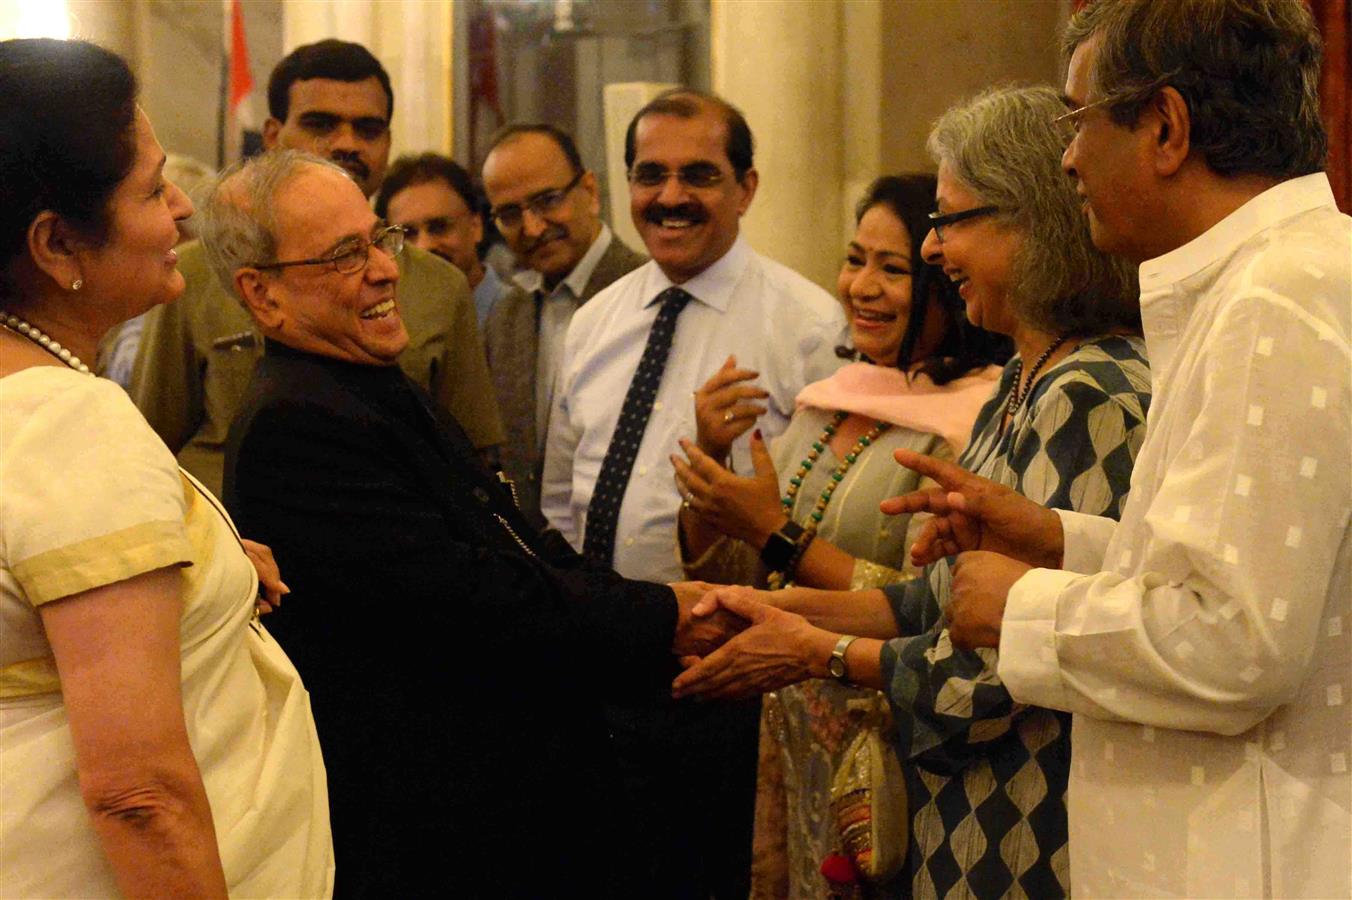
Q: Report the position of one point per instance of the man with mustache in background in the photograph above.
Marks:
(331, 98)
(547, 207)
(631, 361)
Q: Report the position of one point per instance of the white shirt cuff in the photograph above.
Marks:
(1085, 541)
(1028, 664)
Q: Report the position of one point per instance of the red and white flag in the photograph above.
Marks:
(240, 115)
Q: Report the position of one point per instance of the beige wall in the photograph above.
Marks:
(780, 62)
(108, 24)
(940, 51)
(840, 91)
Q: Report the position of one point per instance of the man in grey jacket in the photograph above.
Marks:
(547, 206)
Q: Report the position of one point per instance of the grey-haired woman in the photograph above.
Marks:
(985, 777)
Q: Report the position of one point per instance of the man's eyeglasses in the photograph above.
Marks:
(694, 175)
(1073, 116)
(940, 221)
(542, 204)
(352, 256)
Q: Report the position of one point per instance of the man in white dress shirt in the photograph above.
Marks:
(691, 175)
(691, 180)
(1203, 642)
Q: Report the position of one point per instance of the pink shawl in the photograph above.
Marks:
(883, 393)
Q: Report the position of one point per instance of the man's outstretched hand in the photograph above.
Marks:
(974, 513)
(778, 648)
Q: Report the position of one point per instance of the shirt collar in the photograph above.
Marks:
(1171, 283)
(489, 287)
(1277, 203)
(712, 287)
(576, 281)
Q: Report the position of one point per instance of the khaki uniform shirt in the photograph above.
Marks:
(197, 356)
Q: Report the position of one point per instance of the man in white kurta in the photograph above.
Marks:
(1203, 642)
(1208, 659)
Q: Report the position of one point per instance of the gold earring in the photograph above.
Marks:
(77, 284)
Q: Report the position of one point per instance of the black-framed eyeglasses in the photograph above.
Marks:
(352, 256)
(542, 204)
(940, 221)
(695, 175)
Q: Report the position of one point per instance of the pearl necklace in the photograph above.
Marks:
(20, 327)
(1016, 396)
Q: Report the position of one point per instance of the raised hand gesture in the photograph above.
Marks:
(974, 513)
(745, 508)
(725, 408)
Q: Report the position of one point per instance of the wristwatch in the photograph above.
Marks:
(781, 546)
(836, 664)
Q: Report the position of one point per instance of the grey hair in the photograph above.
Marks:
(238, 218)
(1003, 146)
(1248, 70)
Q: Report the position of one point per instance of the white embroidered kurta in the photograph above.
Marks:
(1207, 659)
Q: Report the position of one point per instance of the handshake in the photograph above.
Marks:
(733, 642)
(738, 642)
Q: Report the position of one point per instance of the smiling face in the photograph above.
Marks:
(875, 285)
(345, 121)
(976, 254)
(687, 229)
(438, 220)
(1107, 161)
(137, 268)
(352, 317)
(552, 243)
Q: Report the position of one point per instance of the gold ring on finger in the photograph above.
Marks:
(727, 416)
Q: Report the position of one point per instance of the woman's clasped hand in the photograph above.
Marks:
(745, 507)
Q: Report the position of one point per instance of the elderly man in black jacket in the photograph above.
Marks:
(456, 657)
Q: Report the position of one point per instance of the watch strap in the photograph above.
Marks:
(781, 546)
(836, 664)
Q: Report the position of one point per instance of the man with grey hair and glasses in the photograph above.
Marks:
(1202, 643)
(332, 98)
(456, 658)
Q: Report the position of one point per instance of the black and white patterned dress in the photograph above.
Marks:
(987, 776)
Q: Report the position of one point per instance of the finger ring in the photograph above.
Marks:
(727, 416)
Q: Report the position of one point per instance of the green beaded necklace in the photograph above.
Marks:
(823, 499)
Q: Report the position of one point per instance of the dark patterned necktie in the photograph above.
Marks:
(603, 512)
